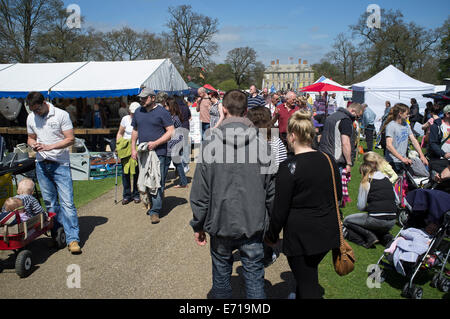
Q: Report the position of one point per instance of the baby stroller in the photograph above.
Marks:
(413, 177)
(18, 236)
(430, 210)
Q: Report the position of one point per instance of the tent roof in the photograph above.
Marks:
(392, 79)
(323, 87)
(326, 80)
(17, 80)
(5, 66)
(91, 79)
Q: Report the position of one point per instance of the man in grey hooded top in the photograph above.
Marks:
(231, 197)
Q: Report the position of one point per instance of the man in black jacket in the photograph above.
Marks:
(231, 196)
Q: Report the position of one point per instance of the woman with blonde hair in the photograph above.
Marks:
(304, 206)
(376, 196)
(377, 161)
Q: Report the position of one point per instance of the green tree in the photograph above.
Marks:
(219, 73)
(326, 69)
(407, 46)
(228, 85)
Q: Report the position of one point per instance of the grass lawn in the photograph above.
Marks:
(354, 285)
(85, 191)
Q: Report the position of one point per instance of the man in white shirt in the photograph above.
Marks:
(50, 133)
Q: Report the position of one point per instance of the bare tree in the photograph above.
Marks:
(20, 22)
(191, 34)
(242, 60)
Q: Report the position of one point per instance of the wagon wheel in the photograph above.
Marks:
(24, 263)
(60, 238)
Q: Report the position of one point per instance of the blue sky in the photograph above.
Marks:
(275, 29)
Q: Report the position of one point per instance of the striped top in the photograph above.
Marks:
(278, 150)
(31, 205)
(255, 101)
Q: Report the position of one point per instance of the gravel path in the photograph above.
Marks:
(125, 256)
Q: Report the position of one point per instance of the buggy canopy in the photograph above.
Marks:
(91, 79)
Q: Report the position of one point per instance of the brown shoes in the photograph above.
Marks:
(74, 248)
(154, 218)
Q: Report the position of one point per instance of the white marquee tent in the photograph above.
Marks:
(90, 79)
(391, 85)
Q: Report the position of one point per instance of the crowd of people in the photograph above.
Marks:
(235, 199)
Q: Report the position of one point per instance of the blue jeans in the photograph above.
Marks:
(55, 181)
(205, 127)
(157, 200)
(252, 255)
(180, 168)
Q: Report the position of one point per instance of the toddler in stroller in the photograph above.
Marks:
(421, 237)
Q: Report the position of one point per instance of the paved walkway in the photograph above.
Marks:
(125, 256)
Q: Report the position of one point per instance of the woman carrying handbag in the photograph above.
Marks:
(305, 207)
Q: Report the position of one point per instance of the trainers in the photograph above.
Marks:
(154, 218)
(269, 261)
(74, 248)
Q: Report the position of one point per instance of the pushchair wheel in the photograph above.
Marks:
(60, 238)
(24, 263)
(435, 280)
(443, 284)
(412, 292)
(402, 217)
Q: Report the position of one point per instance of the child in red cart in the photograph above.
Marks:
(25, 190)
(12, 206)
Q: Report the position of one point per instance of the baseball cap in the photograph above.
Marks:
(134, 106)
(447, 108)
(146, 92)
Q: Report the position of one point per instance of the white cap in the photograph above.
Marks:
(134, 106)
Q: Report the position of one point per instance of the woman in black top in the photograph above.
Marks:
(376, 197)
(304, 207)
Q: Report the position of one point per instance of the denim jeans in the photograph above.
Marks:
(157, 200)
(252, 255)
(55, 181)
(204, 128)
(180, 169)
(126, 182)
(365, 228)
